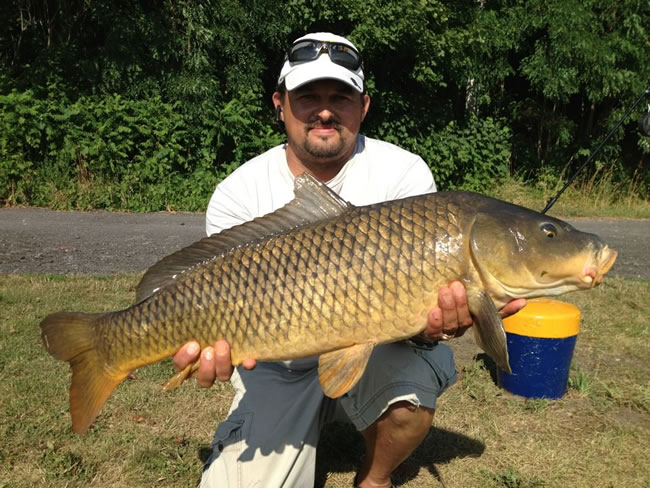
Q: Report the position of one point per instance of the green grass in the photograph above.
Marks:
(596, 435)
(509, 479)
(581, 381)
(598, 196)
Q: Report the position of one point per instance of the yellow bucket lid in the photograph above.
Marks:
(544, 317)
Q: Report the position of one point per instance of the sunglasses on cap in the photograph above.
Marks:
(339, 53)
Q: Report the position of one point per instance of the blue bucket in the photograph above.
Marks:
(541, 340)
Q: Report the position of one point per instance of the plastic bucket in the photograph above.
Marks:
(541, 339)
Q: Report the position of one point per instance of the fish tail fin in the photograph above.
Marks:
(72, 337)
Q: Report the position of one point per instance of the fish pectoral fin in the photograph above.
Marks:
(177, 380)
(339, 370)
(488, 331)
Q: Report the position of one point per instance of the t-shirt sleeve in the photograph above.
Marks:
(227, 207)
(256, 188)
(415, 179)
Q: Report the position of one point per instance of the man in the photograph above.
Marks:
(269, 438)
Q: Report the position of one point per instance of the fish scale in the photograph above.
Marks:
(321, 277)
(363, 247)
(292, 277)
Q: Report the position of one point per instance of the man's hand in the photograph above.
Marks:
(215, 362)
(451, 318)
(512, 307)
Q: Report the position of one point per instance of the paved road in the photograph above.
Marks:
(46, 241)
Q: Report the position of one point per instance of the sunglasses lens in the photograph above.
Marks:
(340, 54)
(304, 51)
(345, 56)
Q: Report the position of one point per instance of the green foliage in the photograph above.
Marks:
(573, 67)
(472, 157)
(147, 105)
(536, 405)
(21, 132)
(110, 152)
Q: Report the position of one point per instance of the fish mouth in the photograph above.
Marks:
(604, 261)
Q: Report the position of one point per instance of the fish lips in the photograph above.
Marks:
(604, 261)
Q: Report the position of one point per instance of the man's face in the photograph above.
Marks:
(322, 120)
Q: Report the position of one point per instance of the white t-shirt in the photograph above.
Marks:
(376, 172)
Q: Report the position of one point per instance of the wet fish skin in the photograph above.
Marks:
(326, 278)
(281, 299)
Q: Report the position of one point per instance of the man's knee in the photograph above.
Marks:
(405, 415)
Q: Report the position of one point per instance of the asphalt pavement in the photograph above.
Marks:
(103, 243)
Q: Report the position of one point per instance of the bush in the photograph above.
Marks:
(22, 137)
(471, 157)
(113, 153)
(145, 105)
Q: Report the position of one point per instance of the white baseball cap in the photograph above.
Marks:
(327, 56)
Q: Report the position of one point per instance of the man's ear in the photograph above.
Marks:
(277, 103)
(365, 105)
(277, 99)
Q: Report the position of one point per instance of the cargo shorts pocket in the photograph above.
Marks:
(231, 432)
(441, 361)
(228, 445)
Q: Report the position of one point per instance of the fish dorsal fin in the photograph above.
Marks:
(340, 370)
(488, 330)
(313, 202)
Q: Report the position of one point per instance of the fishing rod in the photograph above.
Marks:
(646, 92)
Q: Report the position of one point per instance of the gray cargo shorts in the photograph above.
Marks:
(270, 436)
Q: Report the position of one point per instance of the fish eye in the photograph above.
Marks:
(549, 229)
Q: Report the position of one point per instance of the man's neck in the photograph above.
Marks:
(321, 170)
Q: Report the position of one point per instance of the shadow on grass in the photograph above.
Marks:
(340, 450)
(488, 364)
(204, 453)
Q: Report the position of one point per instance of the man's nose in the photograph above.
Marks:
(325, 114)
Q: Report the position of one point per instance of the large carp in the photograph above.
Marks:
(322, 277)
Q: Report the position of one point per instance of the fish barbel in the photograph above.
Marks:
(322, 277)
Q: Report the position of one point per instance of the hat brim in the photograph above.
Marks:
(320, 69)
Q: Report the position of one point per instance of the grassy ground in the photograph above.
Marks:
(596, 435)
(598, 196)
